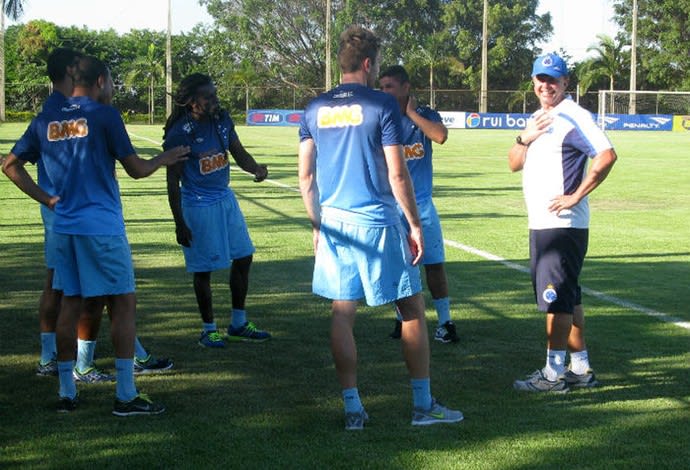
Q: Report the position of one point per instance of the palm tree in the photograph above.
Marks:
(13, 9)
(609, 62)
(431, 54)
(147, 68)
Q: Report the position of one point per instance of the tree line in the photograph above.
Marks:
(259, 46)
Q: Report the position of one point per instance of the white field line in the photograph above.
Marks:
(594, 293)
(518, 267)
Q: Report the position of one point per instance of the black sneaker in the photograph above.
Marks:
(67, 404)
(397, 331)
(152, 365)
(139, 405)
(446, 333)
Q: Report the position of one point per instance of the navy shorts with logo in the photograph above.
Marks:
(556, 258)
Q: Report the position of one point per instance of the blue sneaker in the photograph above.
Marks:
(211, 339)
(49, 369)
(248, 333)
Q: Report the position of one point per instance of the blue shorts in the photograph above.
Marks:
(49, 247)
(91, 266)
(434, 249)
(354, 262)
(219, 235)
(556, 259)
(48, 240)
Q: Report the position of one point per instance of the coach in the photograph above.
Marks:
(553, 150)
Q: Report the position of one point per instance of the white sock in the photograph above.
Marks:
(555, 364)
(579, 362)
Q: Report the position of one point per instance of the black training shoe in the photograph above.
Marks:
(139, 405)
(152, 365)
(67, 404)
(446, 333)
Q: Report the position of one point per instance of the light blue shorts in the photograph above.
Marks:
(434, 249)
(354, 262)
(91, 266)
(219, 235)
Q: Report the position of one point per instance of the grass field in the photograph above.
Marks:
(278, 405)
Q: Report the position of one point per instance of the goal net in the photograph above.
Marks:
(643, 102)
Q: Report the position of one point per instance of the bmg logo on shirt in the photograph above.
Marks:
(212, 163)
(414, 151)
(63, 130)
(339, 116)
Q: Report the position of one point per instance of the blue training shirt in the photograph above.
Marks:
(206, 173)
(27, 146)
(79, 142)
(350, 125)
(418, 152)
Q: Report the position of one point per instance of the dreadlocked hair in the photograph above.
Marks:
(186, 91)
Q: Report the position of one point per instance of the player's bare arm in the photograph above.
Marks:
(138, 167)
(307, 185)
(13, 167)
(598, 171)
(401, 184)
(173, 175)
(245, 161)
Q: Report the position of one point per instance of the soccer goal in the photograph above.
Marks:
(643, 102)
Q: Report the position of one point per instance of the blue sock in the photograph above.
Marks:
(124, 374)
(239, 318)
(352, 402)
(85, 350)
(397, 313)
(48, 348)
(421, 393)
(210, 326)
(139, 351)
(68, 389)
(443, 310)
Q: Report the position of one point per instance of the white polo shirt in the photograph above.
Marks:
(556, 164)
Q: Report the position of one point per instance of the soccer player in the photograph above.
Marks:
(209, 224)
(61, 65)
(80, 143)
(420, 127)
(351, 173)
(553, 151)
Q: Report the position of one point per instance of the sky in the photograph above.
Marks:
(575, 23)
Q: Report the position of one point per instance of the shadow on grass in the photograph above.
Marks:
(279, 401)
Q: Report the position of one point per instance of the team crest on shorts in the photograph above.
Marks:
(549, 295)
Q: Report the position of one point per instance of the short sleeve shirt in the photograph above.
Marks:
(350, 125)
(556, 164)
(79, 142)
(418, 153)
(206, 173)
